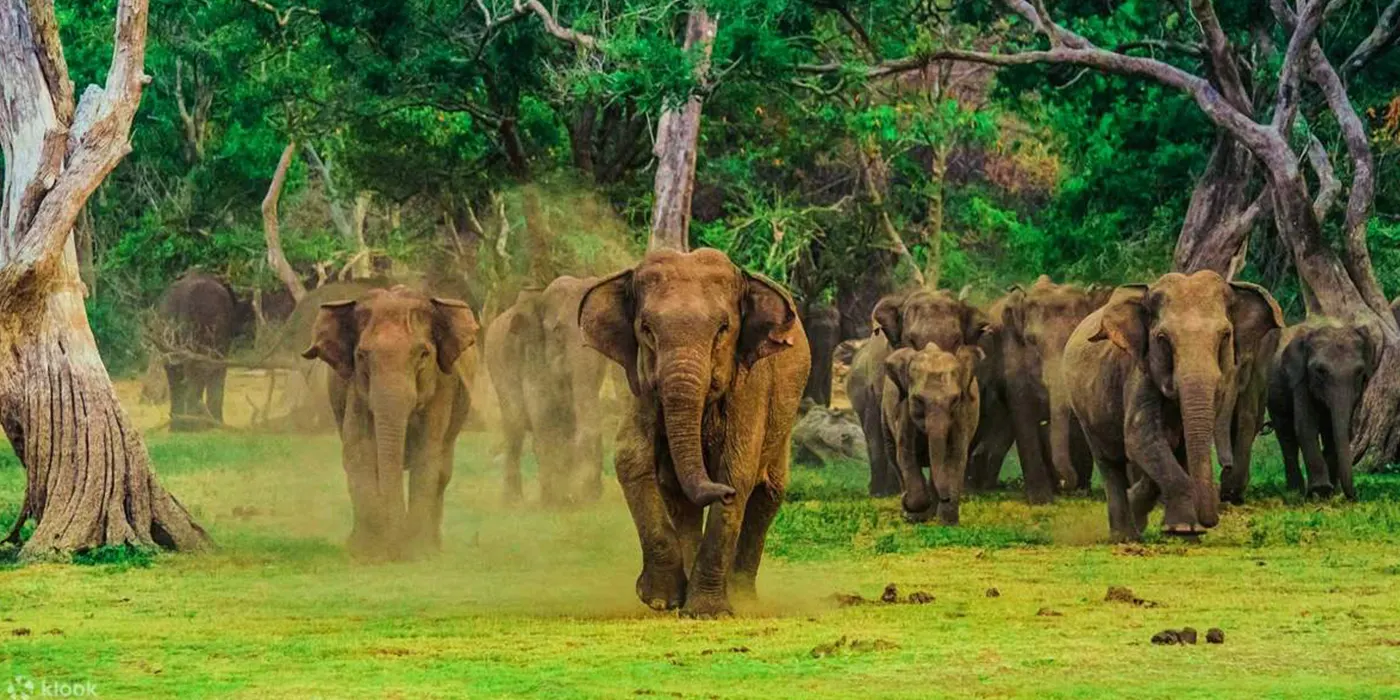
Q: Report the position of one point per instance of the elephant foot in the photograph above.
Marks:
(948, 514)
(1040, 497)
(1183, 529)
(915, 502)
(1124, 537)
(661, 590)
(707, 607)
(1321, 491)
(919, 516)
(1232, 496)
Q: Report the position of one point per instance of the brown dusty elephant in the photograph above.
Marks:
(1314, 389)
(716, 360)
(930, 408)
(1256, 347)
(907, 320)
(198, 312)
(1150, 375)
(548, 382)
(1036, 322)
(823, 325)
(402, 362)
(994, 437)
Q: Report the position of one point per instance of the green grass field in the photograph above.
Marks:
(532, 603)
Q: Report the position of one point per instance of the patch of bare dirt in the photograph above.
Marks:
(1123, 594)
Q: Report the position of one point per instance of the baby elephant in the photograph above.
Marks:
(930, 408)
(1314, 389)
(400, 396)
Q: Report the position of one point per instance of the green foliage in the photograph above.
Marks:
(118, 558)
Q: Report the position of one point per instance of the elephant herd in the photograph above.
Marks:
(1142, 380)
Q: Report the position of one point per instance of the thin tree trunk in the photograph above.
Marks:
(88, 481)
(877, 202)
(933, 266)
(271, 229)
(677, 141)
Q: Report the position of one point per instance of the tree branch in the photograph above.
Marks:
(1222, 57)
(271, 229)
(579, 39)
(1382, 38)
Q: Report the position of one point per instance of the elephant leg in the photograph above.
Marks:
(1142, 498)
(1147, 447)
(1288, 446)
(1330, 452)
(916, 500)
(758, 517)
(175, 378)
(426, 485)
(689, 521)
(948, 478)
(883, 481)
(1235, 479)
(1121, 524)
(357, 454)
(662, 583)
(1309, 435)
(992, 444)
(1081, 457)
(1025, 422)
(707, 595)
(514, 440)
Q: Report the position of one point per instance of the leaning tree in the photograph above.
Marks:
(1339, 281)
(89, 481)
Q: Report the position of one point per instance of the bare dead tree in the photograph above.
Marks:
(89, 481)
(272, 228)
(677, 140)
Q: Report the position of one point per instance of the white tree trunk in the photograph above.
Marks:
(89, 481)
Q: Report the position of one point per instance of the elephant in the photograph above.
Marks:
(402, 365)
(1036, 322)
(548, 382)
(913, 320)
(930, 406)
(200, 312)
(823, 324)
(716, 361)
(1151, 380)
(994, 437)
(1255, 349)
(1314, 389)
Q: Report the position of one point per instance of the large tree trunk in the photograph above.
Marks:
(272, 229)
(88, 478)
(1218, 220)
(677, 140)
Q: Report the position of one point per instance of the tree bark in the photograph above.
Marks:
(677, 141)
(89, 481)
(1219, 218)
(272, 230)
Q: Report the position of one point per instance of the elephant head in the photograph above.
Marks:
(1040, 320)
(918, 318)
(1182, 331)
(932, 385)
(394, 347)
(682, 326)
(1332, 362)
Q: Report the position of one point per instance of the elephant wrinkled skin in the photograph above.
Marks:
(1314, 389)
(402, 362)
(716, 360)
(930, 407)
(547, 382)
(1150, 376)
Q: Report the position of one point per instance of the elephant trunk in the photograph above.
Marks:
(1198, 414)
(1061, 418)
(685, 379)
(391, 403)
(939, 427)
(1340, 403)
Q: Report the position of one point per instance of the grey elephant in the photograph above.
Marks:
(402, 362)
(199, 313)
(1151, 380)
(1314, 389)
(930, 406)
(913, 320)
(548, 383)
(823, 324)
(716, 361)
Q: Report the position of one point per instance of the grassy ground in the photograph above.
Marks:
(535, 603)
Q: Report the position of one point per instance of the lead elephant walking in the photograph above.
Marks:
(716, 360)
(402, 362)
(1151, 379)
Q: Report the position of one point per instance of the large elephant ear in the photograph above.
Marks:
(969, 356)
(769, 319)
(333, 337)
(887, 319)
(897, 369)
(1013, 313)
(1371, 341)
(1253, 313)
(605, 315)
(1294, 359)
(1098, 295)
(454, 331)
(975, 323)
(1124, 319)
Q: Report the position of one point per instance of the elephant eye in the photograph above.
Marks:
(724, 326)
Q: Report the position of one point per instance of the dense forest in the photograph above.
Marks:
(500, 141)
